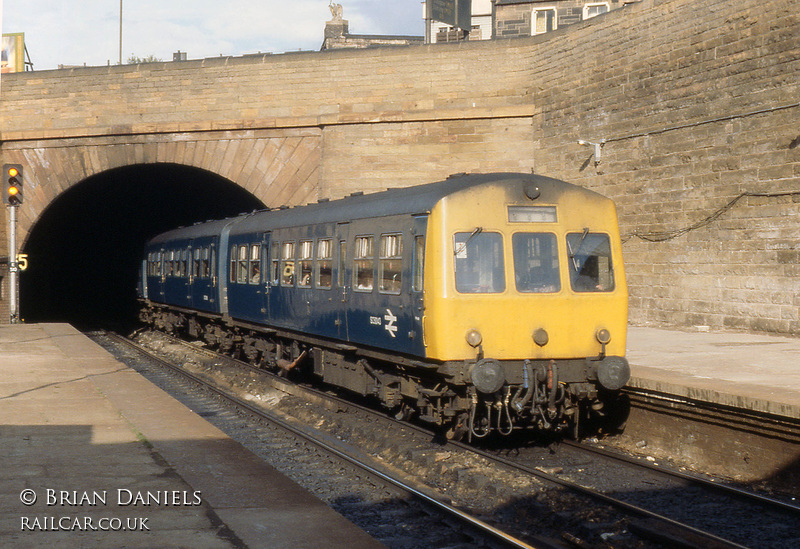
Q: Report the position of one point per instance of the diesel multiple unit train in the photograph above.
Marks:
(481, 303)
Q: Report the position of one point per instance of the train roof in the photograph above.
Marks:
(419, 199)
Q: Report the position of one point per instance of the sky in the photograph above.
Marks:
(77, 32)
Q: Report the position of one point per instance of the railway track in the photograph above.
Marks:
(462, 523)
(643, 503)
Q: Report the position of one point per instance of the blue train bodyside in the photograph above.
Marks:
(344, 270)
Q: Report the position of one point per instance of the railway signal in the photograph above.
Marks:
(12, 184)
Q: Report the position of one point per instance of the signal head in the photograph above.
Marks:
(12, 184)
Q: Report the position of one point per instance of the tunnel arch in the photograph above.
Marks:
(85, 247)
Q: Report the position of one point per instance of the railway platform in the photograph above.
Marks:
(94, 455)
(753, 372)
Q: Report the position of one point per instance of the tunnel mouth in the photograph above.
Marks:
(85, 249)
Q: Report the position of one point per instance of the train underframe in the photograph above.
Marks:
(466, 399)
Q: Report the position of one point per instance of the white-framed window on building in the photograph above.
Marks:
(594, 9)
(543, 20)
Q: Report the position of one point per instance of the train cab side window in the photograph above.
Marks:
(275, 258)
(324, 274)
(419, 262)
(390, 267)
(287, 264)
(536, 263)
(254, 272)
(364, 263)
(479, 264)
(590, 266)
(305, 263)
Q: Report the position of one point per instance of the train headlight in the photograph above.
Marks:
(603, 336)
(474, 338)
(541, 337)
(487, 376)
(613, 372)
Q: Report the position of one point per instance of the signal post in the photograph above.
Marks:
(12, 197)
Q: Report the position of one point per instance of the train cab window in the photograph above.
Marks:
(364, 263)
(419, 262)
(275, 259)
(590, 266)
(254, 271)
(324, 273)
(287, 264)
(390, 266)
(536, 263)
(479, 262)
(305, 263)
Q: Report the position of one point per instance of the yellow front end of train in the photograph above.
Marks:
(526, 300)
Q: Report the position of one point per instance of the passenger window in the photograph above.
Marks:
(232, 269)
(213, 261)
(390, 266)
(196, 263)
(254, 273)
(305, 261)
(170, 263)
(275, 257)
(340, 267)
(590, 267)
(324, 263)
(419, 262)
(241, 268)
(184, 263)
(364, 263)
(205, 268)
(479, 262)
(287, 264)
(536, 263)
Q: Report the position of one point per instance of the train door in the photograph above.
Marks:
(265, 289)
(161, 276)
(201, 283)
(343, 280)
(214, 276)
(245, 283)
(418, 236)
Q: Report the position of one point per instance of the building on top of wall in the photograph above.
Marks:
(513, 18)
(481, 25)
(337, 35)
